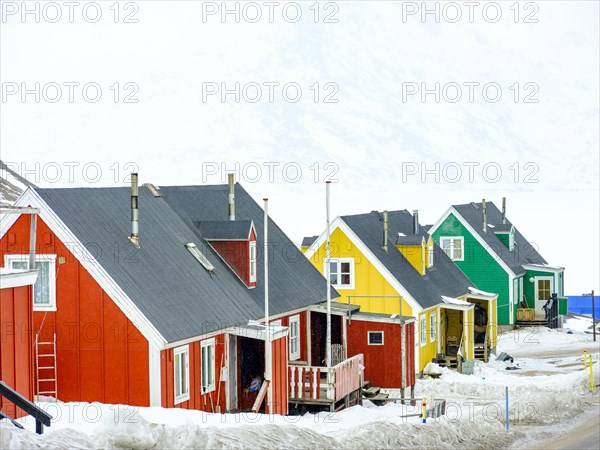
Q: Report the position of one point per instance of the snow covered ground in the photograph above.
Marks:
(548, 395)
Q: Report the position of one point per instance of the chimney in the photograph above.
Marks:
(231, 196)
(134, 210)
(415, 221)
(385, 230)
(483, 213)
(503, 210)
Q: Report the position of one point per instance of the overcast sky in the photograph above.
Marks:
(400, 110)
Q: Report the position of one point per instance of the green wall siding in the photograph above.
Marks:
(505, 238)
(529, 288)
(481, 268)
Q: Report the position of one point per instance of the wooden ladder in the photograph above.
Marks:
(46, 367)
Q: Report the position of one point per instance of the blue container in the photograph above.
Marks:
(579, 304)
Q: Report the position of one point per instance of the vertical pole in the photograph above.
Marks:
(424, 410)
(268, 348)
(32, 238)
(591, 376)
(327, 274)
(593, 316)
(506, 408)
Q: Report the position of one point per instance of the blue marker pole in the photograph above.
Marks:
(506, 408)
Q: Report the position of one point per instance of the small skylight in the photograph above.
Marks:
(199, 256)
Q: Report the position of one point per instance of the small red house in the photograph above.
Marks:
(16, 347)
(148, 295)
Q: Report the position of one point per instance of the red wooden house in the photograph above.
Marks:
(148, 295)
(16, 347)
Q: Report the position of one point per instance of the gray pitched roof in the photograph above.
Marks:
(524, 252)
(444, 278)
(307, 241)
(225, 229)
(164, 280)
(294, 281)
(411, 239)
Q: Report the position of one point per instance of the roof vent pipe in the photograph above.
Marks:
(415, 221)
(385, 230)
(503, 210)
(483, 213)
(134, 210)
(231, 195)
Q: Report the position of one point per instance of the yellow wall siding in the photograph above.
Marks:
(367, 279)
(414, 255)
(427, 351)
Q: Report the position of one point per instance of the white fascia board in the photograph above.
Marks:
(476, 235)
(541, 268)
(31, 198)
(18, 279)
(154, 375)
(338, 222)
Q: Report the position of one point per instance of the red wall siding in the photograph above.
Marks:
(101, 356)
(383, 366)
(197, 399)
(279, 376)
(285, 321)
(16, 355)
(237, 256)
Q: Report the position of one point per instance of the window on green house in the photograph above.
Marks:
(453, 247)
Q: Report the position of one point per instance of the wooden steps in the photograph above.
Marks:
(481, 354)
(374, 395)
(449, 361)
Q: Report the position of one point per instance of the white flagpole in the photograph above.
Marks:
(268, 363)
(327, 274)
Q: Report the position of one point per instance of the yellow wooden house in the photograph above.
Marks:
(387, 263)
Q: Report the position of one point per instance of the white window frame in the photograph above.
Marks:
(294, 320)
(51, 306)
(550, 279)
(210, 387)
(252, 261)
(511, 239)
(430, 256)
(185, 365)
(338, 262)
(375, 332)
(433, 326)
(451, 248)
(423, 330)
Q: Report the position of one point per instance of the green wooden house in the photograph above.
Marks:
(496, 257)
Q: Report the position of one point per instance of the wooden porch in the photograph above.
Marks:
(329, 389)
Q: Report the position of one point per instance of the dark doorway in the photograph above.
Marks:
(252, 365)
(318, 336)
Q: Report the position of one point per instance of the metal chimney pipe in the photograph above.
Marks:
(134, 210)
(268, 348)
(231, 195)
(484, 214)
(385, 230)
(415, 221)
(503, 210)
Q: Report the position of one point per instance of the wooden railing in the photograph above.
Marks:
(321, 383)
(41, 417)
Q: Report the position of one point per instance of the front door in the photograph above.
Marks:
(543, 291)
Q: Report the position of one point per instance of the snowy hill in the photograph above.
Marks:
(11, 185)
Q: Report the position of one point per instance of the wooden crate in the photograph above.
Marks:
(526, 314)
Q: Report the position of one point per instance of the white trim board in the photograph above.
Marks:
(18, 278)
(475, 234)
(31, 198)
(338, 222)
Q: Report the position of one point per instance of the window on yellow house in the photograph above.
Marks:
(433, 326)
(423, 329)
(341, 273)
